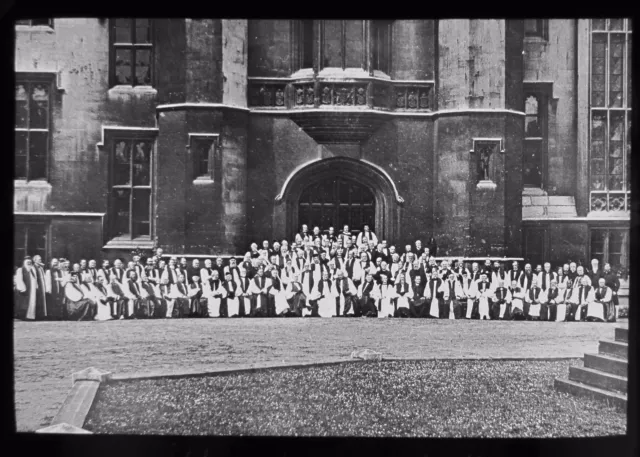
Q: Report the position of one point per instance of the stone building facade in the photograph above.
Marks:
(497, 137)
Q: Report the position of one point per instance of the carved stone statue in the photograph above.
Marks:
(484, 163)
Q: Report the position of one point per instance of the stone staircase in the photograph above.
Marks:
(604, 375)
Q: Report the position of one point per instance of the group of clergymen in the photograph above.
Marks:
(318, 274)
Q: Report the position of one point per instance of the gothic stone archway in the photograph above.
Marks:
(387, 202)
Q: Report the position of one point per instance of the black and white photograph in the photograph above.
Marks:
(414, 228)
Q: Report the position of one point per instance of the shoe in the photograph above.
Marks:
(121, 317)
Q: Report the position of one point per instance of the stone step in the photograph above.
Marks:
(614, 348)
(606, 363)
(582, 390)
(622, 334)
(599, 379)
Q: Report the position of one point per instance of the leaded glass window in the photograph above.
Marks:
(610, 114)
(32, 128)
(131, 52)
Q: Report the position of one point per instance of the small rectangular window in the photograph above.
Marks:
(32, 127)
(131, 52)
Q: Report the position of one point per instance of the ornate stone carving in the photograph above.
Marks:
(279, 97)
(598, 202)
(343, 95)
(299, 96)
(361, 96)
(401, 98)
(310, 95)
(424, 99)
(616, 202)
(326, 95)
(412, 99)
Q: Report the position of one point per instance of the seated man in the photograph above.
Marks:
(344, 292)
(243, 294)
(563, 301)
(198, 302)
(436, 292)
(80, 307)
(231, 301)
(321, 298)
(134, 297)
(517, 301)
(501, 302)
(214, 292)
(553, 297)
(149, 296)
(99, 294)
(583, 296)
(180, 293)
(259, 289)
(484, 294)
(450, 308)
(598, 309)
(278, 305)
(534, 300)
(419, 304)
(402, 297)
(296, 297)
(367, 297)
(167, 299)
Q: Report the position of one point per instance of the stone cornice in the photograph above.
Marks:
(200, 106)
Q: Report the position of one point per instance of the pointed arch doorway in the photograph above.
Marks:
(336, 189)
(335, 202)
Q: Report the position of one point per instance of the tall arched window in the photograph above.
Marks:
(343, 44)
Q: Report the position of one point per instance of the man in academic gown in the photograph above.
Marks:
(197, 300)
(598, 309)
(55, 291)
(243, 294)
(105, 271)
(80, 305)
(418, 305)
(436, 293)
(451, 308)
(296, 297)
(535, 301)
(367, 297)
(501, 302)
(545, 278)
(579, 277)
(612, 281)
(366, 236)
(135, 300)
(403, 294)
(497, 274)
(118, 271)
(180, 293)
(30, 284)
(193, 270)
(259, 289)
(517, 301)
(485, 293)
(553, 298)
(470, 293)
(475, 272)
(321, 299)
(119, 305)
(214, 291)
(595, 272)
(231, 301)
(514, 273)
(417, 271)
(526, 278)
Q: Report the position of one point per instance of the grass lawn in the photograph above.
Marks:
(392, 398)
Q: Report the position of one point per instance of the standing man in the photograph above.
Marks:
(546, 276)
(54, 290)
(611, 281)
(32, 302)
(366, 237)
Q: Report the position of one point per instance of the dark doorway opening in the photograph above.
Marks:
(337, 202)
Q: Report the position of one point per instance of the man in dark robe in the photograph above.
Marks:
(402, 300)
(526, 278)
(55, 291)
(182, 305)
(118, 306)
(418, 305)
(136, 304)
(367, 298)
(259, 296)
(612, 281)
(295, 297)
(231, 287)
(552, 302)
(595, 272)
(534, 297)
(193, 270)
(499, 300)
(417, 271)
(80, 307)
(197, 302)
(514, 273)
(118, 271)
(150, 301)
(30, 284)
(517, 298)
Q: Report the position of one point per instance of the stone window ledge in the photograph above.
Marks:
(21, 184)
(200, 180)
(35, 28)
(120, 243)
(132, 90)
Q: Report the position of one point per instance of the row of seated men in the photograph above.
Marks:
(308, 285)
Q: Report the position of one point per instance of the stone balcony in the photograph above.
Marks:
(339, 110)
